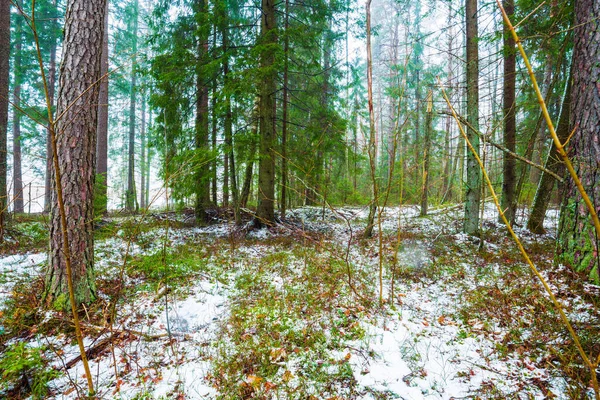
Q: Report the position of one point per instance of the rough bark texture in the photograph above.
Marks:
(18, 205)
(76, 145)
(553, 163)
(473, 190)
(51, 90)
(509, 173)
(131, 203)
(265, 213)
(201, 128)
(4, 77)
(578, 244)
(426, 156)
(102, 146)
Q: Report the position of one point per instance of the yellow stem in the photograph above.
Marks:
(533, 268)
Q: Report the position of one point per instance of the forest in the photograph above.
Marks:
(307, 199)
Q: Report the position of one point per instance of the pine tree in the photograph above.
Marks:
(578, 242)
(76, 146)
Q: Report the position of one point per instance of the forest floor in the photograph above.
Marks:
(293, 312)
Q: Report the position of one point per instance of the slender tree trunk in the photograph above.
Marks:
(372, 133)
(426, 155)
(228, 123)
(473, 190)
(102, 145)
(131, 203)
(248, 173)
(540, 138)
(447, 181)
(509, 172)
(214, 181)
(284, 123)
(535, 223)
(4, 78)
(201, 128)
(265, 213)
(143, 204)
(18, 73)
(578, 244)
(76, 146)
(51, 89)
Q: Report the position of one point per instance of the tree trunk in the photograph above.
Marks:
(284, 122)
(578, 243)
(426, 155)
(102, 145)
(201, 128)
(509, 173)
(76, 146)
(4, 78)
(228, 123)
(18, 206)
(372, 134)
(248, 173)
(143, 178)
(265, 213)
(553, 163)
(51, 89)
(473, 189)
(131, 203)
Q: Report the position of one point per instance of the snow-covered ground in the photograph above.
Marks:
(172, 341)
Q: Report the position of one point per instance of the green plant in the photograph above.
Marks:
(25, 369)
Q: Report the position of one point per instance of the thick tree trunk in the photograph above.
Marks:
(265, 213)
(4, 78)
(509, 173)
(131, 203)
(102, 145)
(51, 89)
(473, 190)
(578, 244)
(553, 163)
(201, 128)
(18, 205)
(76, 145)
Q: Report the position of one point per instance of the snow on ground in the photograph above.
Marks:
(165, 341)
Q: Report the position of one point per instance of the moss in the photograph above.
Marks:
(61, 302)
(576, 240)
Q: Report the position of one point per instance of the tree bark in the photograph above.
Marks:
(4, 78)
(102, 145)
(265, 213)
(426, 155)
(248, 173)
(509, 173)
(535, 223)
(18, 205)
(51, 89)
(372, 146)
(143, 177)
(201, 124)
(578, 244)
(473, 189)
(284, 122)
(131, 203)
(76, 145)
